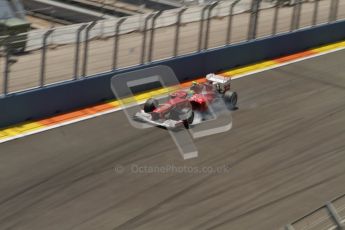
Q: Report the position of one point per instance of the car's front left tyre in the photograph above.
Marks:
(150, 105)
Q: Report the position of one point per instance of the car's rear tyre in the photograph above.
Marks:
(150, 105)
(231, 98)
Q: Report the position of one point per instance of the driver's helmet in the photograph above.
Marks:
(194, 83)
(190, 93)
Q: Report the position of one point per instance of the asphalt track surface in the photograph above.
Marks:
(285, 153)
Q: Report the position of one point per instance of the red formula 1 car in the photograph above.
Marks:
(179, 110)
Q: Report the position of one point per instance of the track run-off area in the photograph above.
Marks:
(284, 158)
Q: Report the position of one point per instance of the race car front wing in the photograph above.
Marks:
(147, 118)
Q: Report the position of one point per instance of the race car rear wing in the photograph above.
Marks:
(217, 78)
